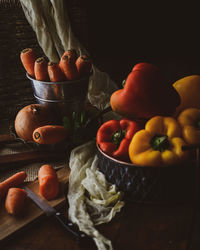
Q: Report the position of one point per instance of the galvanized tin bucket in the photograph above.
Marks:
(64, 97)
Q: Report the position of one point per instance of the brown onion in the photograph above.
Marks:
(31, 117)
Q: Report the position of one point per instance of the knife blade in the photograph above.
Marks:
(81, 237)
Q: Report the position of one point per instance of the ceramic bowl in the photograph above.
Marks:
(149, 184)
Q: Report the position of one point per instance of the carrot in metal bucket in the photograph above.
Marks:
(12, 181)
(84, 65)
(40, 69)
(50, 134)
(55, 72)
(68, 67)
(48, 182)
(28, 57)
(72, 53)
(15, 200)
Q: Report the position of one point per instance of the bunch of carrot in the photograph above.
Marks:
(15, 196)
(70, 67)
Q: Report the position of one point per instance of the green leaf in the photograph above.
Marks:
(123, 83)
(66, 122)
(82, 119)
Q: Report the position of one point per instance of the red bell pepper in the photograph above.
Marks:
(114, 137)
(146, 93)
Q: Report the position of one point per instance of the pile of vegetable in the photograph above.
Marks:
(158, 119)
(15, 196)
(37, 122)
(40, 124)
(70, 67)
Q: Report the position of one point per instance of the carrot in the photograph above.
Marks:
(84, 65)
(72, 53)
(40, 69)
(55, 73)
(15, 200)
(28, 57)
(50, 134)
(12, 181)
(48, 182)
(68, 67)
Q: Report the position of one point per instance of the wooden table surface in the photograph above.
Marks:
(139, 227)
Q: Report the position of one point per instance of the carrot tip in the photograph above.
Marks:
(51, 63)
(66, 57)
(37, 135)
(85, 57)
(40, 59)
(26, 50)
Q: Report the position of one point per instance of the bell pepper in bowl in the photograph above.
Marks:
(114, 137)
(159, 144)
(189, 120)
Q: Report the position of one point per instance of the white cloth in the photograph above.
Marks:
(92, 200)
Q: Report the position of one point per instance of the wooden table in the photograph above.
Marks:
(142, 227)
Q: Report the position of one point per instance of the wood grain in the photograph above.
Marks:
(10, 224)
(7, 138)
(35, 155)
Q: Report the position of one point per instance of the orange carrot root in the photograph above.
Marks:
(55, 72)
(12, 181)
(84, 65)
(28, 57)
(72, 53)
(50, 134)
(48, 182)
(15, 200)
(68, 67)
(40, 69)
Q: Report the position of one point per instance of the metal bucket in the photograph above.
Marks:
(64, 97)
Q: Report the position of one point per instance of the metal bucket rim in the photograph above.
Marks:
(59, 83)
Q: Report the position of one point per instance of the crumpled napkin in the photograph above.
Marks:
(92, 200)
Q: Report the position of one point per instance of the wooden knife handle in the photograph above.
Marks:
(82, 238)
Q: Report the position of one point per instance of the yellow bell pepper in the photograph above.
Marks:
(159, 144)
(189, 119)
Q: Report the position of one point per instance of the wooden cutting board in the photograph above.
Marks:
(10, 224)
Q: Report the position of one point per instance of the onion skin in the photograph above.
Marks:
(31, 117)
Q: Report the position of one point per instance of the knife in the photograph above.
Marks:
(81, 237)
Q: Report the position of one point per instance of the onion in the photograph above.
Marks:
(31, 117)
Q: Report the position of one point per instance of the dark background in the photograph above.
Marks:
(117, 34)
(123, 33)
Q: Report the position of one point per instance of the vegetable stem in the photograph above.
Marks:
(160, 142)
(118, 136)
